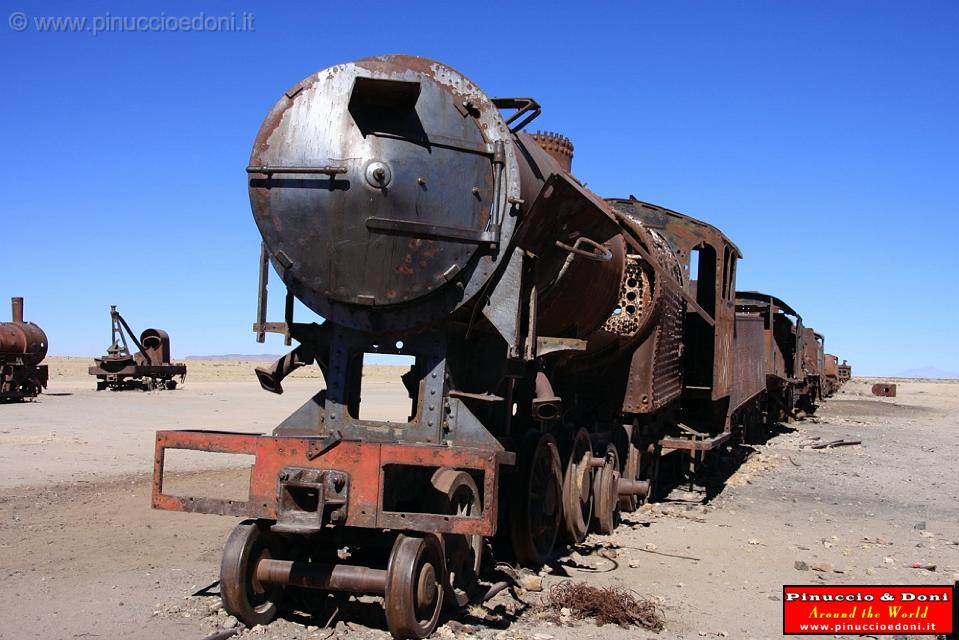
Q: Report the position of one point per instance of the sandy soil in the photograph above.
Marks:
(82, 555)
(75, 433)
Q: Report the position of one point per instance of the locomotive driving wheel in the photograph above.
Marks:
(245, 597)
(606, 492)
(414, 586)
(535, 506)
(578, 488)
(457, 495)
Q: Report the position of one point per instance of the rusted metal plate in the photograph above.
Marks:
(812, 354)
(884, 389)
(830, 366)
(749, 379)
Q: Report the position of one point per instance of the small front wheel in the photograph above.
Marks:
(245, 597)
(414, 586)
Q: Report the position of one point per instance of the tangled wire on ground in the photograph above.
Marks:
(608, 605)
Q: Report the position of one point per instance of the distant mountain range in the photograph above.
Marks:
(254, 357)
(928, 372)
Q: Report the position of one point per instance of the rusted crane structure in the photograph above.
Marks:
(149, 368)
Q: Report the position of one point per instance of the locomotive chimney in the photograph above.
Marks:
(16, 309)
(558, 146)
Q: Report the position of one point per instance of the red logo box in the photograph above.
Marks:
(869, 609)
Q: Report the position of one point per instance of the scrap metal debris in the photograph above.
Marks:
(835, 443)
(884, 389)
(607, 605)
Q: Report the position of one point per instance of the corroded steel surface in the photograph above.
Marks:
(556, 145)
(750, 375)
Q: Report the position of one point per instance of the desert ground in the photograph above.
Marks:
(82, 555)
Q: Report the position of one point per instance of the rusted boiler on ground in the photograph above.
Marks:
(149, 368)
(23, 346)
(563, 345)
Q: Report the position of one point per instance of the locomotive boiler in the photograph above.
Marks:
(23, 346)
(562, 345)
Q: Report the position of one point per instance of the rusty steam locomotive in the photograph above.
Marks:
(564, 345)
(23, 346)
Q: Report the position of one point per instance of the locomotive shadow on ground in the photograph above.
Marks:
(324, 610)
(368, 611)
(716, 471)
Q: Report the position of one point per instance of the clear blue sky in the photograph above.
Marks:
(125, 152)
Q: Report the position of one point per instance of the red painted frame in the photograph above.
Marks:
(363, 461)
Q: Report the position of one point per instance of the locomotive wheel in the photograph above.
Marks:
(536, 507)
(630, 472)
(578, 488)
(414, 586)
(243, 595)
(649, 468)
(606, 493)
(457, 495)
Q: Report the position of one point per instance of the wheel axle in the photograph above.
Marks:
(315, 575)
(626, 487)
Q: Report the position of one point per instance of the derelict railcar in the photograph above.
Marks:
(843, 372)
(813, 361)
(831, 382)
